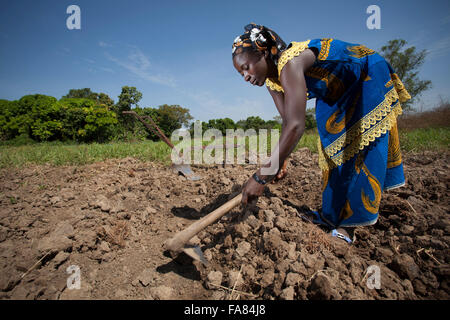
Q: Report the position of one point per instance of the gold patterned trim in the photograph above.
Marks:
(360, 51)
(325, 178)
(274, 85)
(380, 120)
(363, 124)
(369, 136)
(361, 134)
(324, 48)
(403, 94)
(394, 152)
(286, 56)
(293, 51)
(324, 161)
(389, 84)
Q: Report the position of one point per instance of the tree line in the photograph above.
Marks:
(86, 116)
(252, 122)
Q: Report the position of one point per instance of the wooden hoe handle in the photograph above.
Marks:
(176, 243)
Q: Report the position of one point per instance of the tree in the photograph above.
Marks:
(271, 124)
(221, 124)
(86, 120)
(168, 118)
(254, 123)
(128, 97)
(80, 93)
(241, 124)
(86, 93)
(406, 63)
(103, 98)
(43, 118)
(179, 114)
(37, 115)
(172, 117)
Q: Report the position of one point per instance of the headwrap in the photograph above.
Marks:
(259, 38)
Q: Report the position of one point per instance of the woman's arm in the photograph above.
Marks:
(278, 99)
(292, 79)
(292, 110)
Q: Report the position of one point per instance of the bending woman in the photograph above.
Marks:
(358, 97)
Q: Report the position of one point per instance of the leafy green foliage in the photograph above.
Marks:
(168, 118)
(85, 120)
(172, 117)
(128, 97)
(85, 116)
(406, 63)
(43, 118)
(86, 93)
(33, 115)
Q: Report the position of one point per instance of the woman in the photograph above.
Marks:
(358, 99)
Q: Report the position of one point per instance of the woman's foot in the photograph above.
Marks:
(346, 234)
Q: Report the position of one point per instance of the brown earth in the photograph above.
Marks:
(110, 219)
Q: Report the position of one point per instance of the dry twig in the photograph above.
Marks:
(322, 271)
(414, 210)
(35, 265)
(237, 291)
(429, 253)
(235, 282)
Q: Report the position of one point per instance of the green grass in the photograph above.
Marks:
(434, 139)
(57, 153)
(78, 154)
(308, 140)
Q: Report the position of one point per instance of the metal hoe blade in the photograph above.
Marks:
(195, 253)
(186, 171)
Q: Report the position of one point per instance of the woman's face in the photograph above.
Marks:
(252, 66)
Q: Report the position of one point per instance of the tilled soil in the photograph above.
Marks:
(109, 221)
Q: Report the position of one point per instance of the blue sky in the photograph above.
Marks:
(179, 52)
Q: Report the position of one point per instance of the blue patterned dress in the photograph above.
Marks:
(358, 97)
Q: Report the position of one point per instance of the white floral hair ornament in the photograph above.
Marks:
(258, 37)
(236, 40)
(255, 34)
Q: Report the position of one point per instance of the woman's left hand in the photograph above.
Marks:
(252, 190)
(282, 174)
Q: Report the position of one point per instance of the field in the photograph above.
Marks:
(107, 209)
